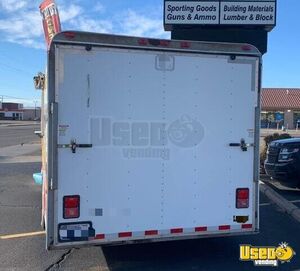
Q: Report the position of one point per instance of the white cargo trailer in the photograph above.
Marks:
(149, 140)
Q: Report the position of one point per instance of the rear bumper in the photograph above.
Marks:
(286, 173)
(149, 239)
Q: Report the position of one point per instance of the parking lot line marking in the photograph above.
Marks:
(269, 203)
(265, 204)
(21, 235)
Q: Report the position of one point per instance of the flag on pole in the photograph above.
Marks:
(51, 22)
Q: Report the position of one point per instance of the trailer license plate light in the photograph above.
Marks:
(242, 198)
(71, 206)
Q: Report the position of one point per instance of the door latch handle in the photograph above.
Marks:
(243, 145)
(73, 146)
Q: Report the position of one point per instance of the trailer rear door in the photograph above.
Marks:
(153, 144)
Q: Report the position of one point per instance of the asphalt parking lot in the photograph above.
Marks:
(20, 206)
(16, 133)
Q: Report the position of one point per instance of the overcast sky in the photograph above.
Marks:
(23, 53)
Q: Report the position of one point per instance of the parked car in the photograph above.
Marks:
(283, 161)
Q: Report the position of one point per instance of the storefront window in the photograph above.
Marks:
(272, 120)
(297, 119)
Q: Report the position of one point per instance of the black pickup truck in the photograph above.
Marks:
(283, 161)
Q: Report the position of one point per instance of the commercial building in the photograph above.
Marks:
(32, 113)
(280, 108)
(16, 111)
(11, 111)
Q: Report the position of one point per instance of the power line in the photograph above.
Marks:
(11, 60)
(18, 98)
(15, 69)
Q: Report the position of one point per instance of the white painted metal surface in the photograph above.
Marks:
(160, 124)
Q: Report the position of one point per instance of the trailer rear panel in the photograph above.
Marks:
(151, 142)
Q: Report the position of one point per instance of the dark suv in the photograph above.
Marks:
(283, 161)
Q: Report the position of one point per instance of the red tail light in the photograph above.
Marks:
(143, 42)
(164, 43)
(185, 44)
(246, 47)
(242, 198)
(69, 35)
(71, 207)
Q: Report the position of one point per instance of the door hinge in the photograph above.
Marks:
(51, 184)
(51, 108)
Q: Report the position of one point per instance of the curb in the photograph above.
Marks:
(280, 201)
(15, 125)
(11, 124)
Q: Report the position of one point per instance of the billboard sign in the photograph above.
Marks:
(236, 13)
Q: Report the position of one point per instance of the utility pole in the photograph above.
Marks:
(35, 110)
